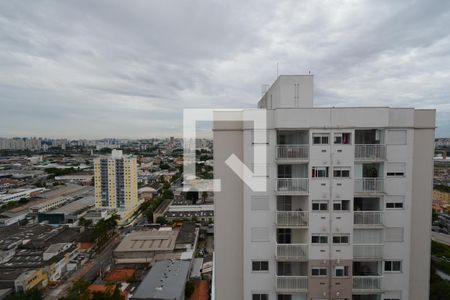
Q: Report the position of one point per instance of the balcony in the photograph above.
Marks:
(291, 252)
(368, 251)
(292, 185)
(367, 152)
(292, 152)
(367, 283)
(292, 218)
(292, 284)
(369, 185)
(368, 218)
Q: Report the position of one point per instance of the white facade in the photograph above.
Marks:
(347, 212)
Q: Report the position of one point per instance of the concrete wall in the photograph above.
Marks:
(422, 188)
(228, 223)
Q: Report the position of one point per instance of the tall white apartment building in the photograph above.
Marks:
(115, 179)
(347, 211)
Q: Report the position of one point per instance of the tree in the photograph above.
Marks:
(79, 290)
(33, 294)
(189, 289)
(167, 194)
(161, 220)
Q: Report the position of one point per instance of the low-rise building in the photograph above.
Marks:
(203, 212)
(69, 213)
(16, 196)
(166, 280)
(76, 178)
(150, 245)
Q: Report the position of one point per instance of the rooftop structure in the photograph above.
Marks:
(203, 212)
(166, 280)
(148, 246)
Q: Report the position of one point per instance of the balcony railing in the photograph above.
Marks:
(292, 252)
(292, 283)
(367, 282)
(292, 218)
(296, 185)
(369, 185)
(369, 251)
(369, 218)
(370, 152)
(292, 152)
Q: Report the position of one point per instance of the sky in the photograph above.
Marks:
(126, 69)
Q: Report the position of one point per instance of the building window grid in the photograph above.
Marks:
(341, 238)
(260, 266)
(320, 172)
(319, 271)
(319, 239)
(260, 297)
(341, 172)
(341, 205)
(342, 138)
(320, 205)
(321, 138)
(392, 266)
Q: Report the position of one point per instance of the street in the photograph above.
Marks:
(440, 237)
(90, 270)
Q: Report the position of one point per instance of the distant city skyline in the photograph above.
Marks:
(106, 68)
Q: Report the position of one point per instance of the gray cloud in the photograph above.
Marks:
(127, 68)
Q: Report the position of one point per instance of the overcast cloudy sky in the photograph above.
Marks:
(127, 68)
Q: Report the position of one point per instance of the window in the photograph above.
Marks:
(393, 234)
(284, 236)
(320, 172)
(320, 205)
(392, 295)
(341, 271)
(320, 138)
(284, 297)
(340, 238)
(260, 297)
(260, 203)
(392, 266)
(258, 266)
(395, 169)
(260, 234)
(342, 172)
(343, 138)
(395, 202)
(319, 271)
(319, 239)
(341, 205)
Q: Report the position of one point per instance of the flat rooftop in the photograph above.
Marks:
(75, 206)
(148, 240)
(165, 280)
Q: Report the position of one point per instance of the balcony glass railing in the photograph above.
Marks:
(292, 252)
(292, 185)
(292, 283)
(370, 152)
(367, 282)
(369, 185)
(292, 218)
(370, 251)
(292, 152)
(370, 218)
